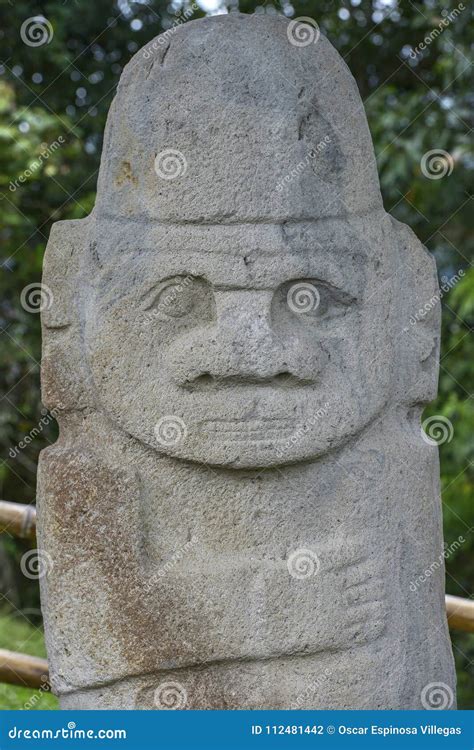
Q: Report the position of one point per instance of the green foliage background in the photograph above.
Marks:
(65, 88)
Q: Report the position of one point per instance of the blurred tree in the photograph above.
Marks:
(417, 101)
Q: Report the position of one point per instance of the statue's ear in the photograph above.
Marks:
(419, 320)
(65, 383)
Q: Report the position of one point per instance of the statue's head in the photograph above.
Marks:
(243, 294)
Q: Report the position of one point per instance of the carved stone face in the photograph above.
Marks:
(240, 345)
(233, 320)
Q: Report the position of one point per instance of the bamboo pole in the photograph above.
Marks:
(18, 519)
(23, 670)
(460, 613)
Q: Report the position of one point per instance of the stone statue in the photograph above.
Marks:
(240, 497)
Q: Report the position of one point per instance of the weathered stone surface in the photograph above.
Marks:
(240, 497)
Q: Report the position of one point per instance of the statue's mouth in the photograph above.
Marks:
(243, 430)
(280, 380)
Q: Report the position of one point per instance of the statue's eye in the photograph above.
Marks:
(172, 298)
(178, 297)
(309, 299)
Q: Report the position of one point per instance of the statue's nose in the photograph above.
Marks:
(241, 346)
(248, 345)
